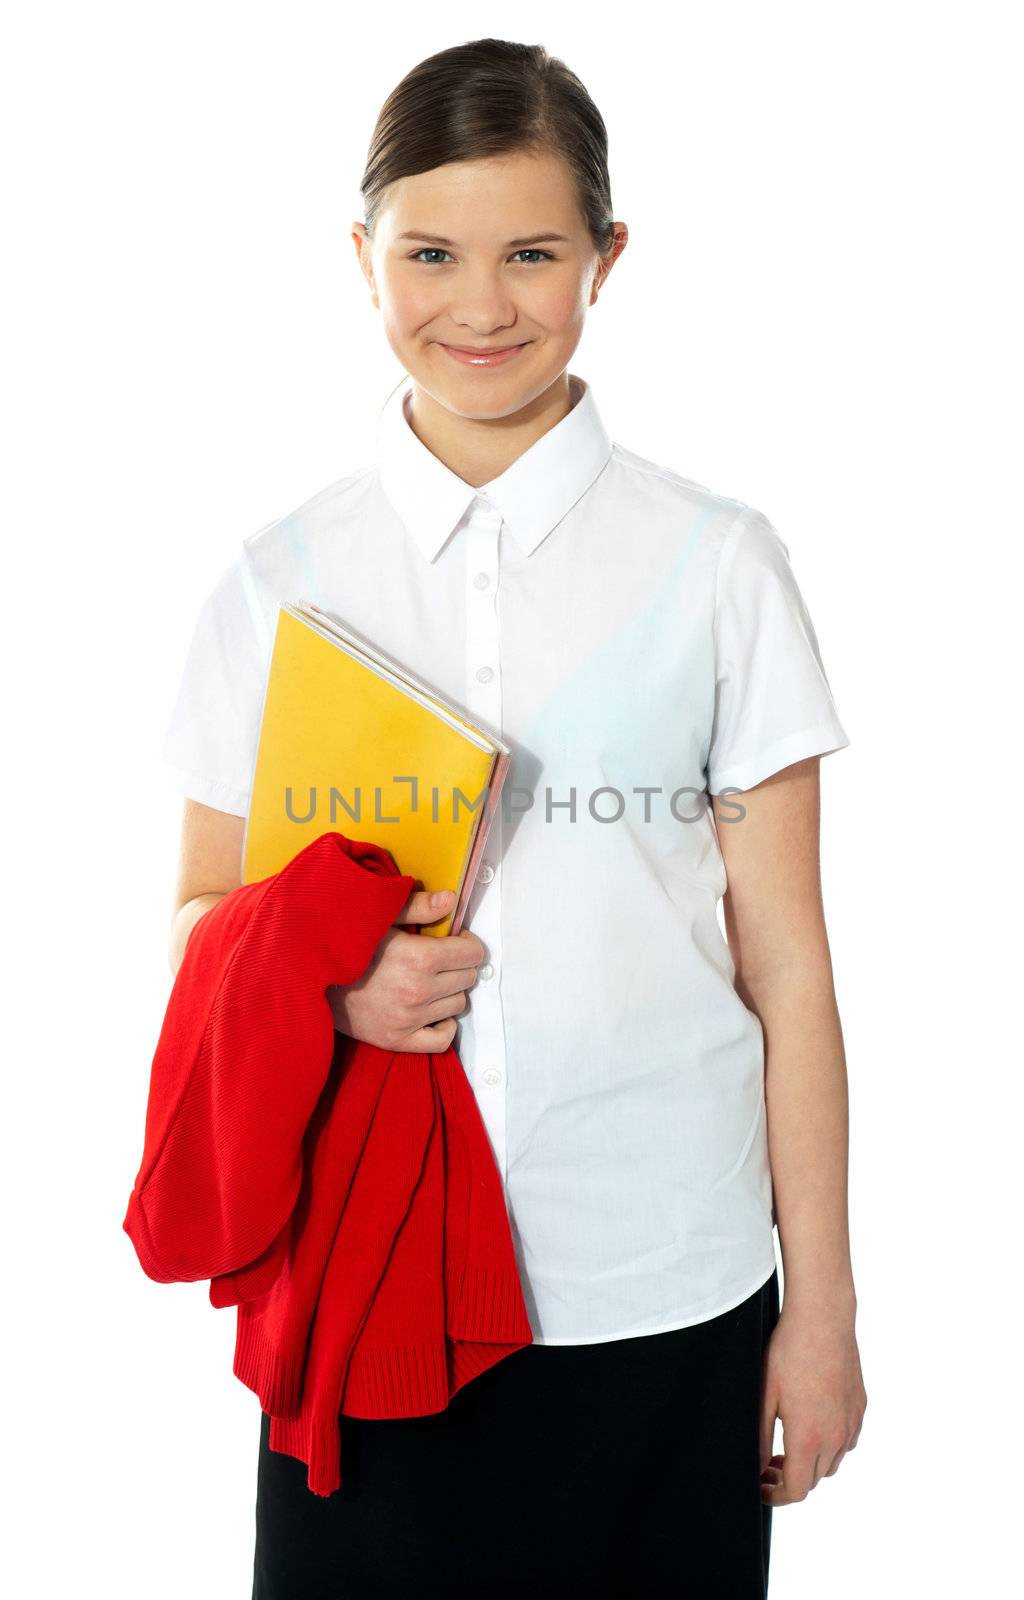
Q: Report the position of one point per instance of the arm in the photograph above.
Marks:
(209, 867)
(776, 930)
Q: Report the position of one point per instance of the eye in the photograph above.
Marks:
(434, 250)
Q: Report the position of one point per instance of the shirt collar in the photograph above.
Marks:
(532, 495)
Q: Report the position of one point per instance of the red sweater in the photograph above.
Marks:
(345, 1198)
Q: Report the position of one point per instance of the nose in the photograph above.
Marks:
(482, 306)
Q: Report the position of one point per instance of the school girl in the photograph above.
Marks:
(657, 1094)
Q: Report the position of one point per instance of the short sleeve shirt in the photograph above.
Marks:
(640, 643)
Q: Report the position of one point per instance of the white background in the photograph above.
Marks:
(817, 313)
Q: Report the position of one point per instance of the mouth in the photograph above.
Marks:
(494, 357)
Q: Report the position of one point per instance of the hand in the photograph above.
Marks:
(812, 1380)
(411, 994)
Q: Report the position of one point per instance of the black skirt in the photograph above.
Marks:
(625, 1469)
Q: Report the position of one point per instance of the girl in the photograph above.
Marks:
(656, 1098)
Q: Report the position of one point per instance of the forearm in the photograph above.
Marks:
(184, 921)
(807, 1100)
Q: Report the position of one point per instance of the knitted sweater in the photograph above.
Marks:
(345, 1198)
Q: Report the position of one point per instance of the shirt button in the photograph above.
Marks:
(485, 674)
(482, 579)
(486, 873)
(492, 1075)
(486, 971)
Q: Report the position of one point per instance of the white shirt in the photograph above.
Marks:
(629, 634)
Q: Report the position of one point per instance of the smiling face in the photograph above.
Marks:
(506, 263)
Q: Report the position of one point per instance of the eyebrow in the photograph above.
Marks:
(511, 244)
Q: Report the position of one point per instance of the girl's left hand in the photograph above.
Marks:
(813, 1382)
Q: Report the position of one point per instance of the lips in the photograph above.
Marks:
(483, 358)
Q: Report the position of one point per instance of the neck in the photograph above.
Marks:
(479, 449)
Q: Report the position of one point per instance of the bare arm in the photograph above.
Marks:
(209, 867)
(775, 925)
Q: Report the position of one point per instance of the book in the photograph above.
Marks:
(351, 741)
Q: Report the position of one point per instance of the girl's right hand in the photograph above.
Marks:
(410, 996)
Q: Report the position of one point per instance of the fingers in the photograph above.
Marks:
(451, 949)
(455, 952)
(418, 1006)
(789, 1478)
(446, 957)
(446, 984)
(446, 1005)
(436, 1036)
(798, 1467)
(769, 1412)
(423, 906)
(785, 1480)
(418, 987)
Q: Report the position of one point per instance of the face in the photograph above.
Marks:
(482, 289)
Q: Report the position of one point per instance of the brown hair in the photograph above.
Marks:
(490, 97)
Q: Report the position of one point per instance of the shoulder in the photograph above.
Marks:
(321, 513)
(740, 549)
(284, 559)
(271, 565)
(653, 487)
(752, 548)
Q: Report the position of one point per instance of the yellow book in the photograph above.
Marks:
(352, 742)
